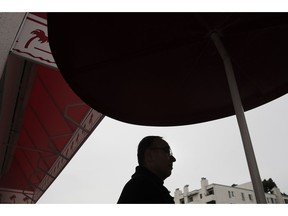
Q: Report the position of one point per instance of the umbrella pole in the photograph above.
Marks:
(250, 156)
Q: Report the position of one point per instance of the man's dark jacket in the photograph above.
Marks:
(145, 187)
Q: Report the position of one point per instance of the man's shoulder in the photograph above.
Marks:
(136, 190)
(143, 190)
(139, 180)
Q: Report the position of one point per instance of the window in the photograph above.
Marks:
(210, 191)
(229, 194)
(243, 197)
(200, 196)
(250, 197)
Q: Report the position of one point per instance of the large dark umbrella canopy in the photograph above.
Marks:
(163, 69)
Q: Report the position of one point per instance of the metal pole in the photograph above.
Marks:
(251, 160)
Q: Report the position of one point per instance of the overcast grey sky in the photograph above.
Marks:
(214, 150)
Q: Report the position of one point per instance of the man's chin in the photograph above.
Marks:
(169, 173)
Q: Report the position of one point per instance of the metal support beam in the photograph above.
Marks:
(71, 120)
(250, 156)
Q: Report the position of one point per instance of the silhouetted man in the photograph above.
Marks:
(155, 165)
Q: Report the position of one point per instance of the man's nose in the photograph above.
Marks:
(172, 158)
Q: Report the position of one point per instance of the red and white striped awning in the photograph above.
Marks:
(42, 122)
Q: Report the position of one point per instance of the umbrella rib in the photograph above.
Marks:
(189, 73)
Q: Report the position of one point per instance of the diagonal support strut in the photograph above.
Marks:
(248, 148)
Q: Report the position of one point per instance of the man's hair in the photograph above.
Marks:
(144, 144)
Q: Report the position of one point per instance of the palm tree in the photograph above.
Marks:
(268, 185)
(38, 34)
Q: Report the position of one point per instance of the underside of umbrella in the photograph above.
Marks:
(172, 69)
(163, 69)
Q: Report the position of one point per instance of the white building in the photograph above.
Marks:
(222, 194)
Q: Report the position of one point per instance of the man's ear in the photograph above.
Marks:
(148, 157)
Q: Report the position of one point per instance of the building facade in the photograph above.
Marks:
(222, 194)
